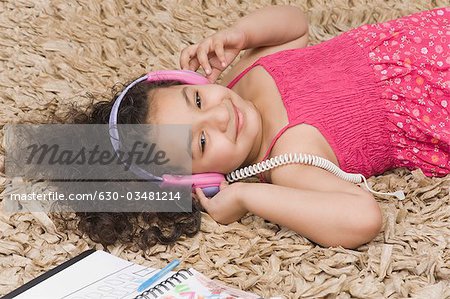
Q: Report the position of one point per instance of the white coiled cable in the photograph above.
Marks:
(308, 159)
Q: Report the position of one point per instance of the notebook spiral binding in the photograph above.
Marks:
(158, 290)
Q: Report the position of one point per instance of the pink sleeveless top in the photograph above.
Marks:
(332, 87)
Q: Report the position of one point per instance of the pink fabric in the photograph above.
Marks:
(411, 56)
(379, 93)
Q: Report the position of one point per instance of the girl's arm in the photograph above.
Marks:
(273, 25)
(327, 218)
(347, 219)
(269, 29)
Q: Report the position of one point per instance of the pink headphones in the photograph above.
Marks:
(209, 182)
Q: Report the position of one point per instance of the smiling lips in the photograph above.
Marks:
(237, 119)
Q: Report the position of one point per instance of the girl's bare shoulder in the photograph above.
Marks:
(251, 55)
(303, 176)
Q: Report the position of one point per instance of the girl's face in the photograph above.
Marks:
(226, 129)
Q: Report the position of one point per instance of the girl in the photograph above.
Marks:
(369, 100)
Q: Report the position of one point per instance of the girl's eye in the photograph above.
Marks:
(202, 141)
(198, 101)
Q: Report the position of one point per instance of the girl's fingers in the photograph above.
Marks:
(223, 185)
(202, 56)
(186, 56)
(220, 53)
(193, 64)
(214, 75)
(194, 56)
(197, 201)
(204, 201)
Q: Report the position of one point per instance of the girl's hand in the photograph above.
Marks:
(215, 53)
(225, 207)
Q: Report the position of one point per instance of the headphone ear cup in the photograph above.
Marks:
(210, 191)
(208, 179)
(208, 182)
(200, 180)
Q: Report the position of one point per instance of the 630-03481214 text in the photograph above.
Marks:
(97, 195)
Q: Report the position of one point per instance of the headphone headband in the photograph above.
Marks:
(184, 76)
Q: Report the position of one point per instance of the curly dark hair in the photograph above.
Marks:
(142, 228)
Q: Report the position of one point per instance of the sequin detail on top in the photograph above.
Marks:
(411, 57)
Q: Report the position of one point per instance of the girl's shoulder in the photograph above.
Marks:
(251, 55)
(303, 176)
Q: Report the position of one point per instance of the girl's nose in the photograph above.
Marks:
(216, 117)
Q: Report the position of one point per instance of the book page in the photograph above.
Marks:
(98, 275)
(121, 284)
(101, 275)
(199, 286)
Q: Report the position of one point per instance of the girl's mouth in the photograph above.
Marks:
(238, 119)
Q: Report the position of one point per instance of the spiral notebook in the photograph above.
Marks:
(100, 275)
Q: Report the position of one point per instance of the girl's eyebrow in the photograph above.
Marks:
(183, 92)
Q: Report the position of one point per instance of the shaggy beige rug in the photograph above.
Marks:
(53, 52)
